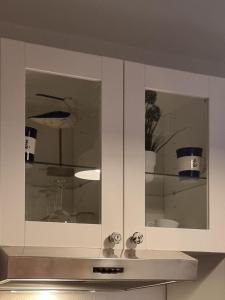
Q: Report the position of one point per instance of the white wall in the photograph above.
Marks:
(210, 284)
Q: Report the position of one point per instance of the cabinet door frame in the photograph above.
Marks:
(139, 77)
(16, 57)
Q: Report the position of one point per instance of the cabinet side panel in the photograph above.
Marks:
(112, 149)
(1, 212)
(216, 161)
(12, 141)
(134, 150)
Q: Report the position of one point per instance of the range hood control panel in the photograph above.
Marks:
(108, 270)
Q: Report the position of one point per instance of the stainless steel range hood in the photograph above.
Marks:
(19, 270)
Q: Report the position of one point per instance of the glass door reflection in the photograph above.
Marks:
(63, 160)
(176, 160)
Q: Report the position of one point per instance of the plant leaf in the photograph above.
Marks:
(169, 139)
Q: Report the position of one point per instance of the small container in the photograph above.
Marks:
(189, 161)
(167, 223)
(30, 143)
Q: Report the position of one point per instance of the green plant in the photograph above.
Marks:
(152, 118)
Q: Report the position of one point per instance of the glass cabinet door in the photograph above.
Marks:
(62, 147)
(63, 156)
(173, 153)
(176, 160)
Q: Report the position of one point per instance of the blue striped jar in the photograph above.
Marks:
(189, 161)
(30, 143)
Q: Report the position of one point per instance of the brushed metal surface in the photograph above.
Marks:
(19, 271)
(77, 285)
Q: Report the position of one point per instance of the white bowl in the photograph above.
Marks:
(167, 223)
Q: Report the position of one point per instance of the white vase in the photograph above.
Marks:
(150, 162)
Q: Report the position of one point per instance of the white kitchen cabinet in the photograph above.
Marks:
(194, 106)
(106, 100)
(24, 69)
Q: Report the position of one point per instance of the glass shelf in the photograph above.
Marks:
(176, 175)
(44, 175)
(48, 164)
(159, 184)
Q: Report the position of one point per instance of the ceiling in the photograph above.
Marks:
(187, 34)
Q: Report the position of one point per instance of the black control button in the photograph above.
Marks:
(108, 270)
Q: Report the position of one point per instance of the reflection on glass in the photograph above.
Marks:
(176, 154)
(65, 113)
(88, 174)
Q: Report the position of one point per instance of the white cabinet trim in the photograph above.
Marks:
(138, 77)
(16, 57)
(12, 129)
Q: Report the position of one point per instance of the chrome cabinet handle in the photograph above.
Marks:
(115, 238)
(137, 238)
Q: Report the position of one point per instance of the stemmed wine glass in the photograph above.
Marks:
(59, 214)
